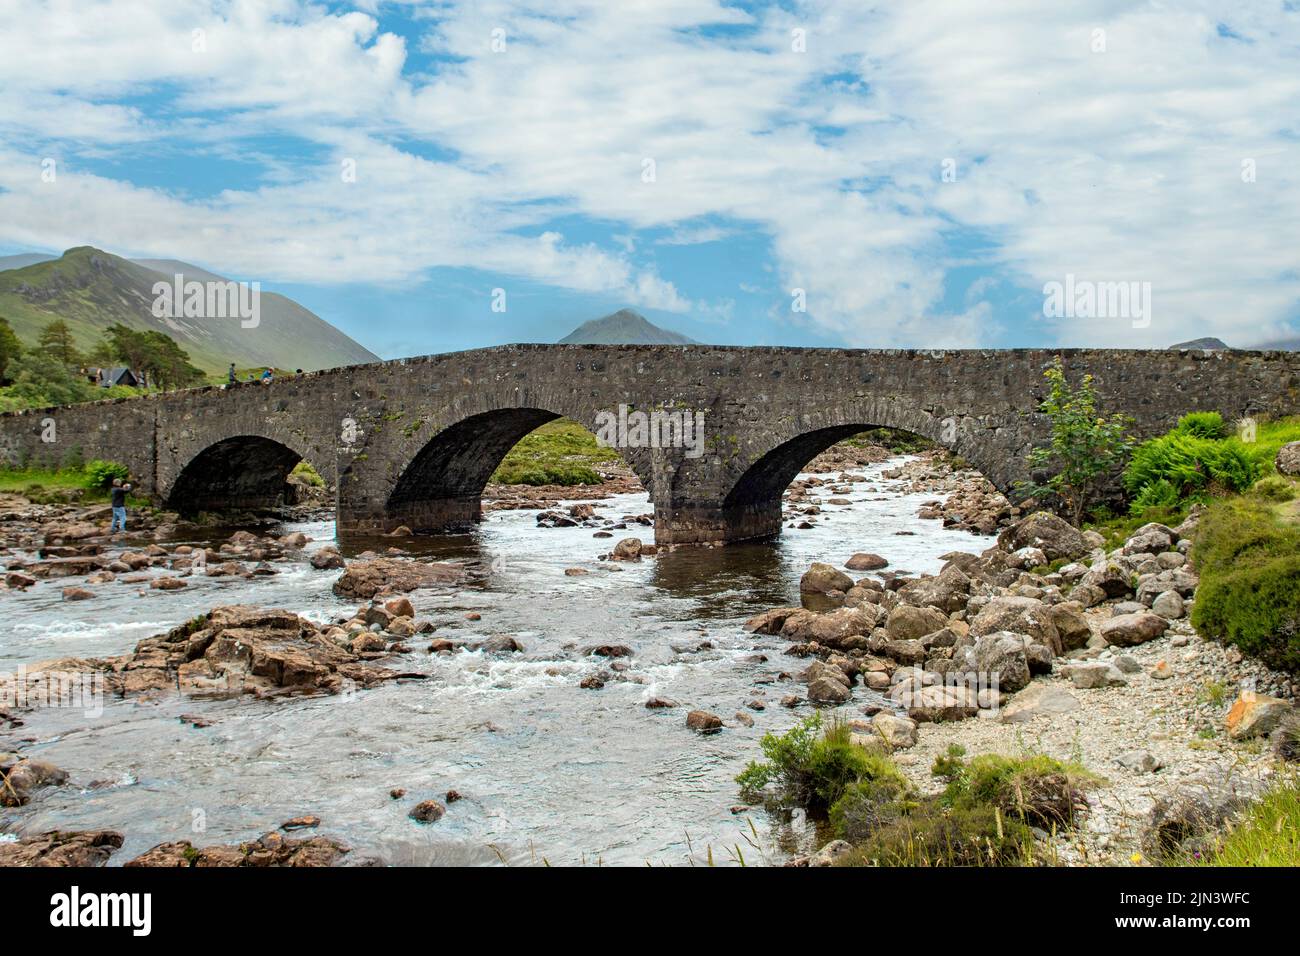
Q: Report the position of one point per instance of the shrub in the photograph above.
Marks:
(1085, 450)
(935, 835)
(1189, 464)
(307, 474)
(809, 768)
(868, 804)
(100, 473)
(1035, 789)
(1274, 488)
(1202, 425)
(1159, 494)
(1249, 593)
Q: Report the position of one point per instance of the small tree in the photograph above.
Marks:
(10, 349)
(56, 341)
(1086, 449)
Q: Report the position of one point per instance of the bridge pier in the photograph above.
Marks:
(456, 515)
(716, 523)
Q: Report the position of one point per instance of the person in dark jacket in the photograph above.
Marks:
(118, 492)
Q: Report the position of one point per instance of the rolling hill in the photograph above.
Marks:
(624, 327)
(90, 290)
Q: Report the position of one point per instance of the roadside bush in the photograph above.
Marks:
(1249, 593)
(100, 473)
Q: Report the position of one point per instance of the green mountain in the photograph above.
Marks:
(90, 290)
(624, 327)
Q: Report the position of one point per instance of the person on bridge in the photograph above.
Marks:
(118, 493)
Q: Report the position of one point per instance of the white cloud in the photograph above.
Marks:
(1124, 164)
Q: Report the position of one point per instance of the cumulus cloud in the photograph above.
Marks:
(1108, 141)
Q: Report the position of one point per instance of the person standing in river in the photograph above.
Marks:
(118, 493)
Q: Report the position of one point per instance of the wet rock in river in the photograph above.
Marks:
(80, 848)
(703, 722)
(365, 579)
(272, 849)
(427, 811)
(19, 777)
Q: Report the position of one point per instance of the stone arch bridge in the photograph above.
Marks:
(413, 441)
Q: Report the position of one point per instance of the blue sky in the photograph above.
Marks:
(920, 171)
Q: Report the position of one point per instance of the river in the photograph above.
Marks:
(549, 772)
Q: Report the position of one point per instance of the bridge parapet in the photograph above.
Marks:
(413, 441)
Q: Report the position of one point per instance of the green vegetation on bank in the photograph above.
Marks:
(75, 481)
(993, 811)
(1247, 552)
(561, 452)
(1266, 834)
(898, 442)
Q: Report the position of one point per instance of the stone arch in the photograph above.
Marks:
(241, 472)
(751, 507)
(440, 489)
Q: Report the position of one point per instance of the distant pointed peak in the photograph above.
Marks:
(624, 327)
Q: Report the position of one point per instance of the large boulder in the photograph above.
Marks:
(1257, 715)
(827, 684)
(909, 623)
(1128, 630)
(1151, 538)
(1022, 615)
(833, 629)
(1052, 535)
(1039, 700)
(770, 622)
(1071, 624)
(1002, 653)
(1110, 579)
(821, 578)
(1288, 458)
(949, 590)
(865, 561)
(939, 703)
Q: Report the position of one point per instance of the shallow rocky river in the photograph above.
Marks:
(548, 771)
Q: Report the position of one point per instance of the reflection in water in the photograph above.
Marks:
(550, 771)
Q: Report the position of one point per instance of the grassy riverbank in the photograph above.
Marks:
(561, 452)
